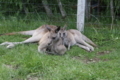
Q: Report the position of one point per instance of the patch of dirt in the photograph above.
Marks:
(32, 76)
(10, 66)
(95, 59)
(103, 52)
(87, 60)
(76, 57)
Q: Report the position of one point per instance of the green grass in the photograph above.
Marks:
(24, 62)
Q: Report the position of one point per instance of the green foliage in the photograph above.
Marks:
(26, 7)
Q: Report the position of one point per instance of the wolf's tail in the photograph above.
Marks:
(89, 41)
(21, 32)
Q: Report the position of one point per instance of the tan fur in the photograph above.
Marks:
(57, 47)
(74, 37)
(44, 43)
(45, 35)
(86, 39)
(47, 40)
(36, 35)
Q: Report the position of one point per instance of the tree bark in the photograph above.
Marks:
(24, 7)
(87, 9)
(62, 10)
(112, 13)
(47, 8)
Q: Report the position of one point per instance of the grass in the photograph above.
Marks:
(23, 62)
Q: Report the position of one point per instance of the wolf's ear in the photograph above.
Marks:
(58, 28)
(49, 29)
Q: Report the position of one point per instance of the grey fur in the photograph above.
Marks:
(74, 37)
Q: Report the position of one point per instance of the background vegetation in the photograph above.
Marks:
(24, 62)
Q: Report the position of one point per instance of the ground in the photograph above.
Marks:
(24, 62)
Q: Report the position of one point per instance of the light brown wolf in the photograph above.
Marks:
(74, 37)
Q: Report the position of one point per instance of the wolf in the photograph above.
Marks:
(36, 35)
(74, 37)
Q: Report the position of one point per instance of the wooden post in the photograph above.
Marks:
(80, 14)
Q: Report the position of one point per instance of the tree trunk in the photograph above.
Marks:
(62, 10)
(47, 8)
(112, 13)
(24, 7)
(87, 9)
